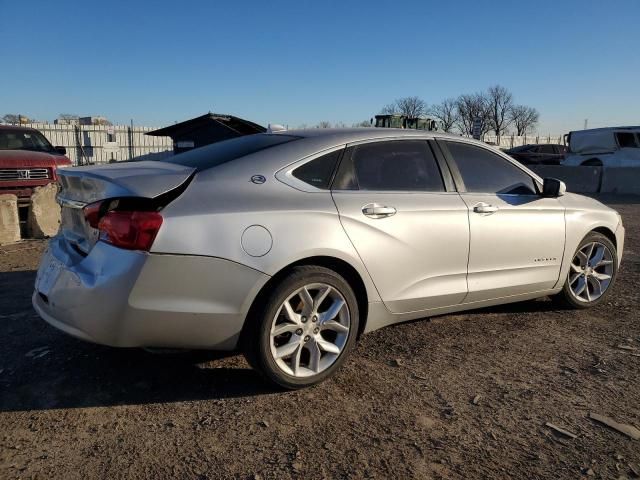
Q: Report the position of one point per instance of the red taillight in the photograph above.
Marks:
(130, 230)
(92, 214)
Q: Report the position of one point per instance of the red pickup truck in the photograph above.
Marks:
(27, 160)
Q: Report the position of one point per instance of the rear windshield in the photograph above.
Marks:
(227, 150)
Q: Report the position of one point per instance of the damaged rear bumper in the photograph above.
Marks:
(133, 299)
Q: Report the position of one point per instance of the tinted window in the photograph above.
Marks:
(393, 166)
(318, 172)
(545, 149)
(15, 139)
(626, 139)
(227, 150)
(485, 172)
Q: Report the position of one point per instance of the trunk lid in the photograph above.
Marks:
(82, 186)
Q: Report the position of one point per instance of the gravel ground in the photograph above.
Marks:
(457, 396)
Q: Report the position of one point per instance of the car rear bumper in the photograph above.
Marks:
(132, 299)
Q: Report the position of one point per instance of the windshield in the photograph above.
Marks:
(24, 140)
(227, 150)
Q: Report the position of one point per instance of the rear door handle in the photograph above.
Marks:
(375, 210)
(485, 208)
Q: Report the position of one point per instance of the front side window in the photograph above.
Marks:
(483, 171)
(318, 172)
(390, 166)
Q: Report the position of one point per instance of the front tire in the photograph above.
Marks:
(305, 329)
(592, 273)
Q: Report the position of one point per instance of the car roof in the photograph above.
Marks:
(17, 127)
(348, 135)
(605, 130)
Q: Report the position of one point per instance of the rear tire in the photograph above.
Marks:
(303, 331)
(594, 267)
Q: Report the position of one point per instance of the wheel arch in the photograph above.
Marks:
(607, 233)
(592, 162)
(338, 265)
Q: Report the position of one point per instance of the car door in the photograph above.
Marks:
(410, 230)
(516, 235)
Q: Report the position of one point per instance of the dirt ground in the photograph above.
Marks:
(402, 407)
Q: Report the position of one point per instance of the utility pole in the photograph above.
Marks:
(586, 122)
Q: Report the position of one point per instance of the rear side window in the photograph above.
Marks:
(485, 172)
(393, 166)
(626, 140)
(318, 172)
(561, 149)
(545, 149)
(227, 150)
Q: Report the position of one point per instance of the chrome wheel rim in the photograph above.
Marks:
(310, 330)
(591, 272)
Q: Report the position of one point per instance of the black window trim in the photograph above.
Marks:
(445, 174)
(457, 177)
(285, 175)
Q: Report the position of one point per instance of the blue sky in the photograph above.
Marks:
(301, 62)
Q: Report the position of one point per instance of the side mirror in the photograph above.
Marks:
(552, 187)
(60, 150)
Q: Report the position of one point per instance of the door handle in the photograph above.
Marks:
(484, 208)
(375, 210)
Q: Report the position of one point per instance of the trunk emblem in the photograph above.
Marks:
(258, 179)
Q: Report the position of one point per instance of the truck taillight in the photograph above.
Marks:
(130, 230)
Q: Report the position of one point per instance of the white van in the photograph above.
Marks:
(607, 147)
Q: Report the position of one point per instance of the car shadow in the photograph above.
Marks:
(42, 368)
(538, 305)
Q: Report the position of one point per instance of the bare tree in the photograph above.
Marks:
(363, 123)
(323, 124)
(12, 118)
(411, 107)
(524, 118)
(68, 117)
(101, 121)
(389, 109)
(340, 124)
(500, 103)
(468, 108)
(446, 113)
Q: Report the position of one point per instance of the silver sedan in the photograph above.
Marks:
(291, 245)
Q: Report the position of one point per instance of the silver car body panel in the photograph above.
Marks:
(516, 249)
(129, 299)
(417, 257)
(146, 179)
(225, 236)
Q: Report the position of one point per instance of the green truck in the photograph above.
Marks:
(402, 121)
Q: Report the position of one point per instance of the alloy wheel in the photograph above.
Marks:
(310, 330)
(591, 272)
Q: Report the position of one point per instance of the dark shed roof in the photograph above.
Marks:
(235, 125)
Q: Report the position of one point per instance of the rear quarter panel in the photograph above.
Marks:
(210, 217)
